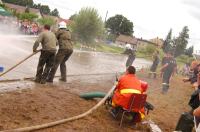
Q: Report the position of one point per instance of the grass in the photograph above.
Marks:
(145, 53)
(100, 47)
(109, 48)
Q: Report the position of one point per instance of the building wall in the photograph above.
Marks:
(142, 44)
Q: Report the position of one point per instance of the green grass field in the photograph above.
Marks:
(100, 47)
(145, 53)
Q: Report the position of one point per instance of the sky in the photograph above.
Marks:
(151, 18)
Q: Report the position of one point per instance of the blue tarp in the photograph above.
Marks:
(3, 12)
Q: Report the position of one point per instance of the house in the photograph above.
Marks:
(21, 9)
(123, 39)
(57, 19)
(143, 42)
(67, 21)
(159, 42)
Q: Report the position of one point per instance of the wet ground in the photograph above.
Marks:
(29, 104)
(33, 104)
(14, 48)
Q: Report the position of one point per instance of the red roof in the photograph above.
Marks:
(67, 21)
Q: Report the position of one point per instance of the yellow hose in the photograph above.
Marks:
(19, 63)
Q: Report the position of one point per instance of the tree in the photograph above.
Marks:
(28, 16)
(45, 9)
(27, 10)
(167, 43)
(180, 43)
(47, 20)
(55, 12)
(20, 2)
(72, 17)
(87, 25)
(189, 51)
(119, 25)
(37, 6)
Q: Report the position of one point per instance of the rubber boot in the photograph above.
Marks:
(165, 88)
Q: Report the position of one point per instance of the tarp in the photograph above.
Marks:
(3, 12)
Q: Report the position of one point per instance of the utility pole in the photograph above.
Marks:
(106, 16)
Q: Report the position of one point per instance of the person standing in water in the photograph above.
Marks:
(131, 55)
(48, 41)
(65, 51)
(154, 66)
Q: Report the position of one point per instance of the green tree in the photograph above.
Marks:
(37, 6)
(168, 41)
(180, 43)
(72, 17)
(189, 51)
(87, 25)
(28, 16)
(55, 12)
(20, 2)
(119, 25)
(45, 9)
(47, 20)
(27, 10)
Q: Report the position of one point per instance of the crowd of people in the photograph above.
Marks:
(19, 26)
(28, 28)
(191, 119)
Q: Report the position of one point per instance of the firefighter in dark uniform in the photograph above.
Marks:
(131, 55)
(48, 41)
(154, 66)
(65, 51)
(168, 69)
(163, 62)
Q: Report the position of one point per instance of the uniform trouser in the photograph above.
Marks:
(61, 57)
(166, 80)
(153, 70)
(130, 60)
(47, 59)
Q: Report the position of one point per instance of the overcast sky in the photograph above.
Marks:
(151, 18)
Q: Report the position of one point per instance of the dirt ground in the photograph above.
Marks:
(46, 103)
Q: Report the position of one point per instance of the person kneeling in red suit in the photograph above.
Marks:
(127, 85)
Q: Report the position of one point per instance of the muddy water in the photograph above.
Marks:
(15, 47)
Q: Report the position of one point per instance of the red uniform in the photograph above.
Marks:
(127, 85)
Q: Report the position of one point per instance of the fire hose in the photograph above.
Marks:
(51, 124)
(19, 63)
(37, 127)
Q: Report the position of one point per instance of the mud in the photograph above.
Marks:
(50, 102)
(25, 103)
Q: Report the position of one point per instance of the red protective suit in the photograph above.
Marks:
(127, 85)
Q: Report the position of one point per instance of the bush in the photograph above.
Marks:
(150, 49)
(46, 20)
(28, 16)
(185, 59)
(87, 25)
